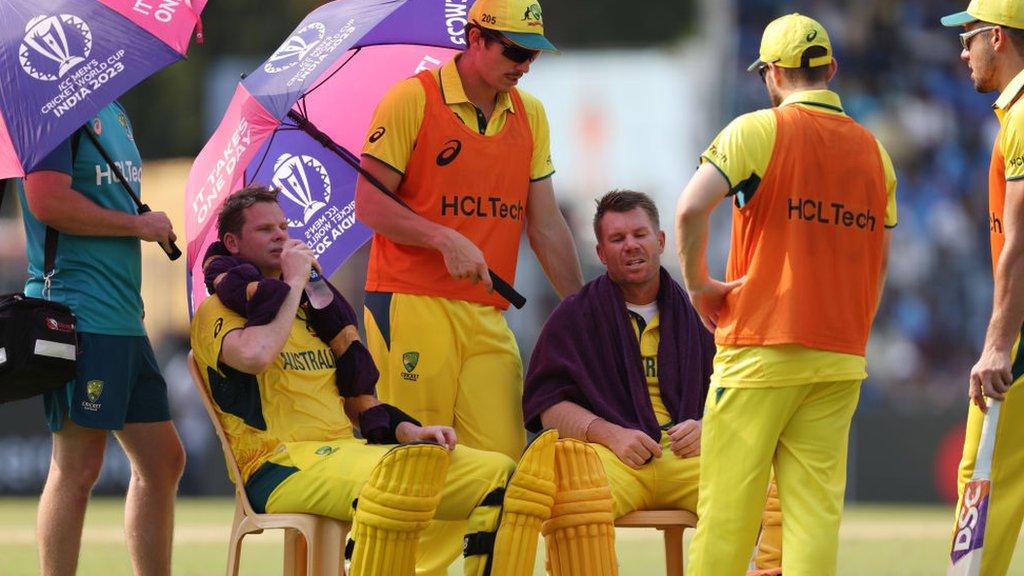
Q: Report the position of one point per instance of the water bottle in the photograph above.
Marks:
(317, 290)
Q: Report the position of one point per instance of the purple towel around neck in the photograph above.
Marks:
(589, 354)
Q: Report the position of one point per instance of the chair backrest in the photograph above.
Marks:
(229, 456)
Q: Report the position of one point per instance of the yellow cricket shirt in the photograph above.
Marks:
(741, 152)
(294, 400)
(399, 115)
(1011, 128)
(649, 335)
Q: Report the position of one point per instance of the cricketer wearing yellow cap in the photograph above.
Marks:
(993, 48)
(470, 153)
(814, 201)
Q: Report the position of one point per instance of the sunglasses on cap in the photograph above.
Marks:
(509, 50)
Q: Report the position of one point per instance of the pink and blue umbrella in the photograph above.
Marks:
(61, 61)
(298, 121)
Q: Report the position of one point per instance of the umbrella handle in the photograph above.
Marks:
(506, 290)
(172, 250)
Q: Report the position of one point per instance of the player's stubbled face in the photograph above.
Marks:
(630, 246)
(263, 236)
(980, 58)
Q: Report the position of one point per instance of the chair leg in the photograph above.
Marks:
(673, 551)
(326, 552)
(234, 553)
(295, 560)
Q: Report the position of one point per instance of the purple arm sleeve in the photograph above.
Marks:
(262, 308)
(327, 322)
(378, 424)
(356, 374)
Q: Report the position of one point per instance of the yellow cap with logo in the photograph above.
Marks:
(521, 21)
(1008, 13)
(786, 41)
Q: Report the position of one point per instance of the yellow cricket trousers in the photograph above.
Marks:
(1006, 499)
(803, 431)
(454, 363)
(668, 482)
(326, 477)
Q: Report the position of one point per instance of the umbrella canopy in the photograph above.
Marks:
(61, 61)
(298, 121)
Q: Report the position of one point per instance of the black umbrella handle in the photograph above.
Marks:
(173, 253)
(502, 287)
(506, 290)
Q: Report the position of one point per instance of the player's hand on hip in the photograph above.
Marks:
(709, 298)
(443, 435)
(296, 261)
(634, 447)
(685, 438)
(154, 227)
(464, 260)
(991, 376)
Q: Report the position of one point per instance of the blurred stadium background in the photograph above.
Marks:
(638, 92)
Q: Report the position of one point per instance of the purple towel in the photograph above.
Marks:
(589, 354)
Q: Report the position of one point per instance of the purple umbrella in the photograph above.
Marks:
(298, 122)
(61, 61)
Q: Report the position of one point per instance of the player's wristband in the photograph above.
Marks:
(378, 424)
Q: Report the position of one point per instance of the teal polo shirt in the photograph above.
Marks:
(98, 277)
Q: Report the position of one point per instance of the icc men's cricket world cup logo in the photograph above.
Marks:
(295, 48)
(53, 45)
(292, 175)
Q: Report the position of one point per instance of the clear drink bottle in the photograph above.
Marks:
(317, 290)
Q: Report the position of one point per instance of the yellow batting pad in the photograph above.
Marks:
(580, 536)
(394, 507)
(528, 499)
(769, 543)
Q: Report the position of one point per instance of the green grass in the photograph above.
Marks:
(876, 540)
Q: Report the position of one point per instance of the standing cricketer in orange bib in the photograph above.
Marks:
(993, 48)
(814, 198)
(470, 154)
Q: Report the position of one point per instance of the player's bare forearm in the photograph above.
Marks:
(356, 405)
(1008, 300)
(551, 239)
(702, 194)
(54, 203)
(570, 419)
(389, 218)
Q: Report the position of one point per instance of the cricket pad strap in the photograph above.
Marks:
(395, 506)
(580, 536)
(769, 543)
(527, 501)
(378, 424)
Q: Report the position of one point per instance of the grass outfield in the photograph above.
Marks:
(876, 540)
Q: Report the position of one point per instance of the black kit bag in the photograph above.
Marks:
(38, 340)
(38, 346)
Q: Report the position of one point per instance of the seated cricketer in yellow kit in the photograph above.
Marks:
(624, 365)
(993, 51)
(814, 201)
(470, 153)
(287, 405)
